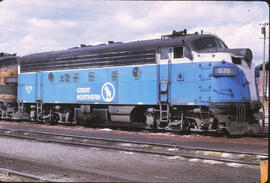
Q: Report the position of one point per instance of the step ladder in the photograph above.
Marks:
(39, 109)
(164, 107)
(164, 112)
(20, 107)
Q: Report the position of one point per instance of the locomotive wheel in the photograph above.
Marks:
(186, 125)
(54, 119)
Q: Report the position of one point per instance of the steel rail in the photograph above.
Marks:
(9, 172)
(130, 149)
(137, 142)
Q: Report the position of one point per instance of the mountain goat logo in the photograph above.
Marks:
(108, 92)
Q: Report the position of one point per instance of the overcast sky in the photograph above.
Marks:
(34, 26)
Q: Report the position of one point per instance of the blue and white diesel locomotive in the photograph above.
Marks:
(181, 81)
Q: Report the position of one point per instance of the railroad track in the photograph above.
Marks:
(202, 132)
(24, 176)
(169, 150)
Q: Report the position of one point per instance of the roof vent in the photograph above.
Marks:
(175, 34)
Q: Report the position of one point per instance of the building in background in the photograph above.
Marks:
(260, 80)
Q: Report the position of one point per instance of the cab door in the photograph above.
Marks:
(164, 70)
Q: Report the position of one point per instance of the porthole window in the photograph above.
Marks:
(76, 77)
(180, 77)
(61, 78)
(51, 77)
(136, 72)
(67, 77)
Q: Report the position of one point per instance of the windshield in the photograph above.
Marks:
(207, 42)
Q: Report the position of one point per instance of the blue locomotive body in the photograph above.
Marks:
(177, 82)
(190, 84)
(94, 86)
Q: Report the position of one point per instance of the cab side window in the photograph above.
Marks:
(178, 52)
(164, 53)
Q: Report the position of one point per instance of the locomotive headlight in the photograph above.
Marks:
(224, 71)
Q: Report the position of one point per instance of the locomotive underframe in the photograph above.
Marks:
(235, 118)
(239, 117)
(8, 108)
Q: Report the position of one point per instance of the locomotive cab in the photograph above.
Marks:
(234, 102)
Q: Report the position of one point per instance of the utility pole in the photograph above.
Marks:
(264, 79)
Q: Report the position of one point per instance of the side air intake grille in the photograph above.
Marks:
(114, 75)
(89, 60)
(91, 76)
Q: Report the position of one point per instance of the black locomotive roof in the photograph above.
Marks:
(118, 54)
(116, 47)
(8, 60)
